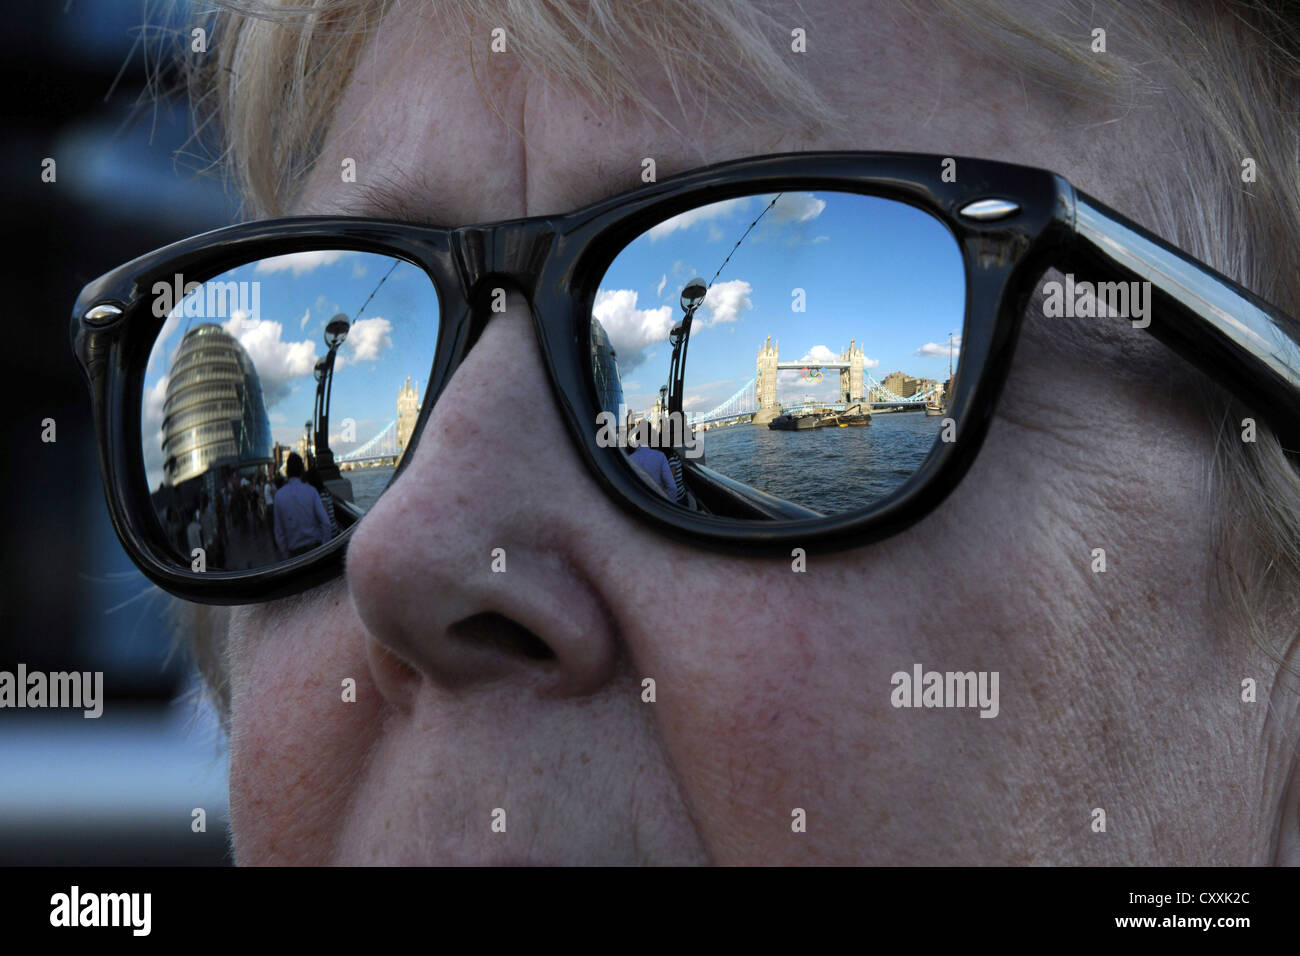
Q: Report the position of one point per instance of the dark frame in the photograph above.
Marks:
(1011, 223)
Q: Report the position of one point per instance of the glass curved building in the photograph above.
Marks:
(213, 412)
(604, 367)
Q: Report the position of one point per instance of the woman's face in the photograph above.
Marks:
(773, 688)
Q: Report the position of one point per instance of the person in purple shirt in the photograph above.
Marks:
(300, 519)
(655, 464)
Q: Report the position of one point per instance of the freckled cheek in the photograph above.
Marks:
(297, 746)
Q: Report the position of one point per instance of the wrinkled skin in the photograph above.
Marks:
(773, 688)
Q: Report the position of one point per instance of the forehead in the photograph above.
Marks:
(443, 131)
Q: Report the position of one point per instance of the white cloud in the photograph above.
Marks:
(726, 300)
(940, 349)
(299, 262)
(819, 353)
(367, 338)
(659, 290)
(306, 317)
(795, 207)
(277, 362)
(631, 330)
(689, 218)
(153, 401)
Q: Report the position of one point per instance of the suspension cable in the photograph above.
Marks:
(375, 289)
(742, 239)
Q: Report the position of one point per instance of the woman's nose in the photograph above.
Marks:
(474, 566)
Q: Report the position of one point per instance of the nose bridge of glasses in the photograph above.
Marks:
(502, 255)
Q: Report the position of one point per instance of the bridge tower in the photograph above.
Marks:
(765, 386)
(408, 409)
(851, 377)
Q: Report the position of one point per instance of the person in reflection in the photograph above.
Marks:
(654, 464)
(313, 478)
(267, 492)
(300, 519)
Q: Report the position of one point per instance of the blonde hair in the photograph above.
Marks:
(265, 100)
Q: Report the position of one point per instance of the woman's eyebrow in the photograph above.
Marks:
(401, 197)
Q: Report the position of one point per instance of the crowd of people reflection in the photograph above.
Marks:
(255, 519)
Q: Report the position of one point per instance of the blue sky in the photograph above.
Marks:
(297, 295)
(872, 269)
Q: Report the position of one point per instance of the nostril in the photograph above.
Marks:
(492, 628)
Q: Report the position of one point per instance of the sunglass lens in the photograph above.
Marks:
(815, 366)
(279, 398)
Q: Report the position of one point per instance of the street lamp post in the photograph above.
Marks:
(692, 295)
(336, 330)
(318, 372)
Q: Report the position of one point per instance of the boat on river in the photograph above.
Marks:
(790, 423)
(844, 419)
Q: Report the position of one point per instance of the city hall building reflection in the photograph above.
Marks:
(217, 464)
(214, 415)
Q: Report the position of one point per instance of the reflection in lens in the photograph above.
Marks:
(810, 376)
(272, 419)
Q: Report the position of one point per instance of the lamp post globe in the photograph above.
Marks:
(336, 330)
(693, 294)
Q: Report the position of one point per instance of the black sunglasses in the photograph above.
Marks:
(889, 250)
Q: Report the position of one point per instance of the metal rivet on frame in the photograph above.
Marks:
(987, 210)
(102, 314)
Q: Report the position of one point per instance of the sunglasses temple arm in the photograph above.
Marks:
(1230, 334)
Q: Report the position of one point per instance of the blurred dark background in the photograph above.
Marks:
(119, 789)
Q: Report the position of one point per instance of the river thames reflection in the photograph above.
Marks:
(368, 484)
(831, 470)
